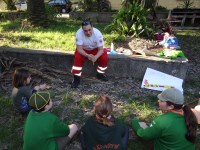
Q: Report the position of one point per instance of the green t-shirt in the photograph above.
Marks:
(41, 131)
(167, 131)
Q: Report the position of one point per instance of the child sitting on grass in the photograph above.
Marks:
(103, 131)
(43, 130)
(21, 92)
(175, 129)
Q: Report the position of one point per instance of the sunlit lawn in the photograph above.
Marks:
(59, 36)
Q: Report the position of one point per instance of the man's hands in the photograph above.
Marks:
(92, 58)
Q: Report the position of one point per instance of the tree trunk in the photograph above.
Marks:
(10, 4)
(98, 5)
(37, 13)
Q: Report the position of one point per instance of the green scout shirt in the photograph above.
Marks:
(167, 131)
(41, 131)
(99, 136)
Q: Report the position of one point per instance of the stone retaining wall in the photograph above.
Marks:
(119, 65)
(101, 17)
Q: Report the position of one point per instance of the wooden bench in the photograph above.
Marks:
(183, 15)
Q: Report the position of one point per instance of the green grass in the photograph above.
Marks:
(87, 101)
(59, 36)
(11, 125)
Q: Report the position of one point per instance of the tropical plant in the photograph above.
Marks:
(144, 3)
(187, 4)
(132, 21)
(125, 3)
(10, 4)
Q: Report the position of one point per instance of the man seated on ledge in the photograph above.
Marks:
(89, 44)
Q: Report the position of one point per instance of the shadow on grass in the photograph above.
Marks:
(189, 40)
(59, 35)
(62, 26)
(11, 125)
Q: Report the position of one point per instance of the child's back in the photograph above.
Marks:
(99, 135)
(41, 130)
(103, 131)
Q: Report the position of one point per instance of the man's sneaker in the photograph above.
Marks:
(102, 77)
(75, 82)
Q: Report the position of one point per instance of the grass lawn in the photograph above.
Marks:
(61, 36)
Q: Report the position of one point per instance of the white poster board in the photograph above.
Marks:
(160, 81)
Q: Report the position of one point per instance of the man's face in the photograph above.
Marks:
(88, 29)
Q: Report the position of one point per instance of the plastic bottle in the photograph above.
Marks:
(112, 51)
(111, 47)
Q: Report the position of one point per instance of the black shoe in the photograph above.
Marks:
(102, 77)
(75, 82)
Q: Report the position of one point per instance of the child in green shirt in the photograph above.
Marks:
(175, 129)
(43, 130)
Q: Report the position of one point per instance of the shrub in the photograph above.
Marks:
(51, 12)
(93, 5)
(161, 8)
(131, 21)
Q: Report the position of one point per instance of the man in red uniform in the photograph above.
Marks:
(89, 44)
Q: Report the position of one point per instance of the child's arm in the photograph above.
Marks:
(42, 87)
(196, 111)
(148, 133)
(73, 129)
(143, 125)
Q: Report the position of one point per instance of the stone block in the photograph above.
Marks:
(119, 65)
